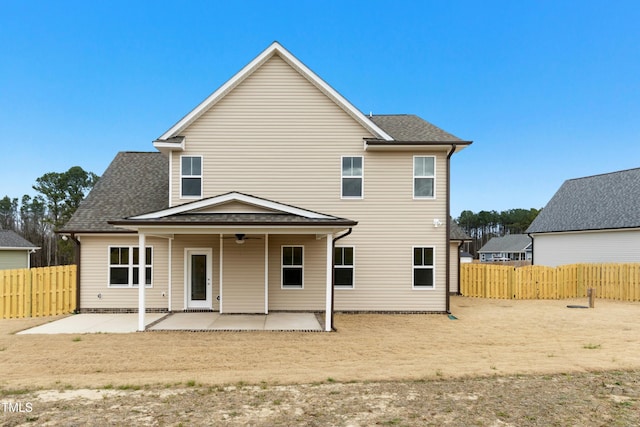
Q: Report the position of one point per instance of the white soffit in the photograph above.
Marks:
(273, 49)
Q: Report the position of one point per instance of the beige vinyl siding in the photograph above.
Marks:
(94, 274)
(243, 276)
(235, 207)
(313, 294)
(278, 137)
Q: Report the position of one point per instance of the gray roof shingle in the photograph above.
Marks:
(409, 127)
(133, 184)
(238, 219)
(457, 233)
(11, 239)
(508, 243)
(599, 202)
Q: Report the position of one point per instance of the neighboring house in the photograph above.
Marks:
(466, 258)
(590, 220)
(255, 194)
(512, 247)
(15, 252)
(457, 237)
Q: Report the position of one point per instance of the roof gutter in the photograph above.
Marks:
(448, 251)
(333, 276)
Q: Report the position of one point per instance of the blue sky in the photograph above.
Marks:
(547, 90)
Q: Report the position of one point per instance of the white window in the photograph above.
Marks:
(292, 267)
(424, 177)
(423, 271)
(190, 176)
(343, 267)
(352, 177)
(123, 266)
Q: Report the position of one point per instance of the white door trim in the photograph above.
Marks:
(208, 302)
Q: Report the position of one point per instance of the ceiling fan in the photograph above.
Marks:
(240, 238)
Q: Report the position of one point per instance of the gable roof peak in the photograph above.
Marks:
(274, 48)
(233, 196)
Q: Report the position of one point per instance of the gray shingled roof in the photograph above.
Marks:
(599, 202)
(457, 233)
(133, 184)
(508, 243)
(238, 219)
(409, 127)
(11, 239)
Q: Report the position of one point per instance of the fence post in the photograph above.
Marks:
(592, 294)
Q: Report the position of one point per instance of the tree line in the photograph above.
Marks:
(484, 225)
(37, 218)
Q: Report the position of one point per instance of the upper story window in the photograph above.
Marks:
(190, 176)
(424, 177)
(352, 177)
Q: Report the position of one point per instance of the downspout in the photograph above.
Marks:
(533, 252)
(448, 218)
(459, 269)
(77, 242)
(333, 276)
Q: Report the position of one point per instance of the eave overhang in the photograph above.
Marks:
(245, 227)
(381, 145)
(165, 146)
(595, 230)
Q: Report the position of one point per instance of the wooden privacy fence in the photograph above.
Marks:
(610, 281)
(37, 292)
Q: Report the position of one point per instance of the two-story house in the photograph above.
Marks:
(274, 194)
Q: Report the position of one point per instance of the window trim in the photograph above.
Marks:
(130, 266)
(413, 182)
(201, 176)
(342, 177)
(352, 267)
(423, 267)
(282, 267)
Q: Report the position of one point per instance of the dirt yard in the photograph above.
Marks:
(499, 363)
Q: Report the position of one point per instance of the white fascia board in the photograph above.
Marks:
(274, 48)
(234, 229)
(9, 248)
(327, 89)
(233, 197)
(169, 146)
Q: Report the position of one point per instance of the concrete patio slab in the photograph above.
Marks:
(200, 321)
(238, 322)
(94, 323)
(186, 321)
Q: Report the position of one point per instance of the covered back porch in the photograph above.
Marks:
(243, 255)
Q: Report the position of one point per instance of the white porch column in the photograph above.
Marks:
(142, 280)
(329, 308)
(220, 272)
(266, 273)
